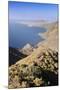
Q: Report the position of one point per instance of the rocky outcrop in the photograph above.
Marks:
(27, 49)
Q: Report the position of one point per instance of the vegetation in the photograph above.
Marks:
(41, 72)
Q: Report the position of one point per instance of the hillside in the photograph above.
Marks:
(51, 37)
(41, 72)
(41, 67)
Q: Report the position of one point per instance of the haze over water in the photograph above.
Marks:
(20, 35)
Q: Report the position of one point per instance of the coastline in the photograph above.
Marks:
(50, 37)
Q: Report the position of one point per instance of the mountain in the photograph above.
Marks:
(51, 37)
(27, 49)
(15, 55)
(40, 68)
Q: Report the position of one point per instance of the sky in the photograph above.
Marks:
(32, 11)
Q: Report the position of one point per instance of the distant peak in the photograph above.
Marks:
(27, 46)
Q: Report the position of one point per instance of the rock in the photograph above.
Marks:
(38, 81)
(27, 49)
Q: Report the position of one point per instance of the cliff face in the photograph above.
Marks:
(27, 49)
(41, 67)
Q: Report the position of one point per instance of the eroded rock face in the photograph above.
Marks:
(42, 72)
(27, 49)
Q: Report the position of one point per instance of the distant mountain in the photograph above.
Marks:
(34, 23)
(14, 55)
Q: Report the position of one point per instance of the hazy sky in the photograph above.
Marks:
(32, 11)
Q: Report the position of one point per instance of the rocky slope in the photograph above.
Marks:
(27, 49)
(51, 37)
(41, 72)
